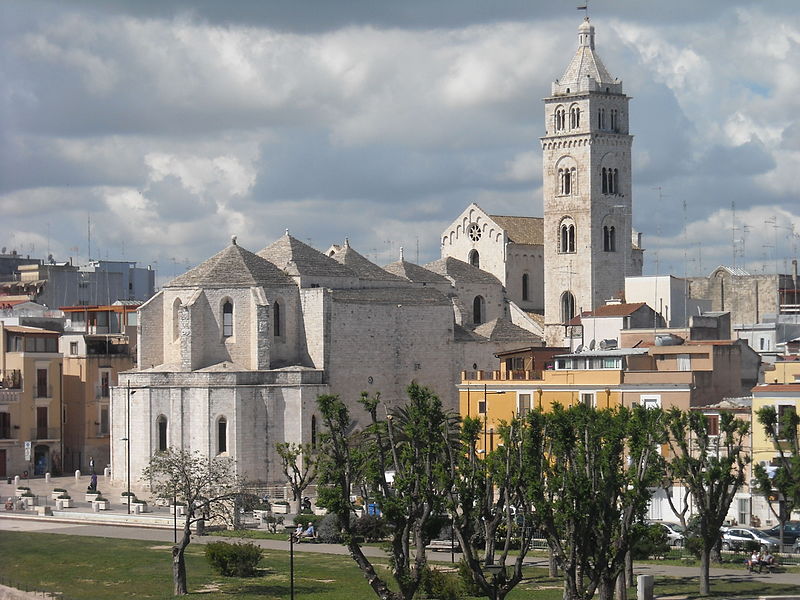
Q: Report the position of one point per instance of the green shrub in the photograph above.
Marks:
(329, 530)
(100, 499)
(128, 494)
(28, 494)
(233, 560)
(439, 585)
(23, 487)
(468, 580)
(306, 520)
(648, 540)
(372, 528)
(62, 490)
(65, 497)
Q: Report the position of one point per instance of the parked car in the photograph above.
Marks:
(674, 532)
(791, 531)
(736, 538)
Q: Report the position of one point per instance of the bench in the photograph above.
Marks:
(443, 545)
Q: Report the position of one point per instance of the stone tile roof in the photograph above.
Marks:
(296, 257)
(586, 64)
(503, 330)
(522, 230)
(394, 295)
(462, 334)
(415, 273)
(536, 317)
(361, 266)
(617, 310)
(460, 271)
(232, 267)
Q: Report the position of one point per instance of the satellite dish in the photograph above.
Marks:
(602, 344)
(591, 345)
(579, 348)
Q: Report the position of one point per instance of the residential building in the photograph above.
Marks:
(668, 296)
(602, 327)
(30, 401)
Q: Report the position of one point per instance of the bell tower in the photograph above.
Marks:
(587, 189)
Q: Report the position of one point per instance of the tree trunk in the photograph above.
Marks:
(570, 584)
(552, 565)
(716, 551)
(704, 575)
(605, 589)
(629, 580)
(622, 589)
(179, 567)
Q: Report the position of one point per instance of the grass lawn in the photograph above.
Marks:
(108, 568)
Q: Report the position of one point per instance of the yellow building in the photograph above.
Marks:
(783, 397)
(30, 401)
(785, 370)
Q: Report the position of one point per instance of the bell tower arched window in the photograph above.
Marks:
(566, 242)
(609, 238)
(574, 117)
(475, 258)
(560, 118)
(567, 307)
(601, 118)
(567, 181)
(227, 319)
(609, 180)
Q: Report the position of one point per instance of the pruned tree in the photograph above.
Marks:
(590, 475)
(207, 487)
(409, 443)
(782, 429)
(711, 468)
(299, 465)
(486, 494)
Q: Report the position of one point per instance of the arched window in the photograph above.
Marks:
(475, 258)
(227, 319)
(604, 179)
(161, 427)
(276, 319)
(478, 310)
(614, 119)
(574, 117)
(313, 431)
(609, 238)
(601, 118)
(176, 315)
(567, 307)
(560, 118)
(567, 237)
(222, 435)
(524, 286)
(568, 180)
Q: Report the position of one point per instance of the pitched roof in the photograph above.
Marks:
(586, 63)
(522, 230)
(414, 273)
(460, 271)
(361, 266)
(232, 267)
(503, 330)
(294, 256)
(617, 310)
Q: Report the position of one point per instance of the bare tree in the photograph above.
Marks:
(207, 486)
(712, 468)
(299, 464)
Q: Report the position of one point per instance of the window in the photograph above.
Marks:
(587, 399)
(478, 310)
(574, 117)
(650, 401)
(712, 424)
(161, 427)
(222, 435)
(559, 117)
(525, 286)
(313, 431)
(103, 420)
(601, 118)
(609, 241)
(567, 238)
(176, 312)
(474, 259)
(227, 319)
(105, 384)
(482, 407)
(614, 118)
(567, 181)
(567, 307)
(523, 404)
(41, 384)
(743, 509)
(474, 232)
(5, 426)
(609, 180)
(41, 422)
(73, 348)
(276, 318)
(684, 362)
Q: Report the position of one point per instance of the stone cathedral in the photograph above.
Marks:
(233, 353)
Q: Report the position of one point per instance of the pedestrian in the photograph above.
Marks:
(93, 482)
(91, 465)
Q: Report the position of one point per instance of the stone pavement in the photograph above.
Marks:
(116, 523)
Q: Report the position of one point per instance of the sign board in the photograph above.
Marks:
(27, 451)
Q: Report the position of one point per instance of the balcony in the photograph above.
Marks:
(9, 396)
(45, 433)
(8, 433)
(11, 379)
(102, 391)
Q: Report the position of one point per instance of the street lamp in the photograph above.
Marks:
(127, 440)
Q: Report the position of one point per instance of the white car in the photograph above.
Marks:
(674, 532)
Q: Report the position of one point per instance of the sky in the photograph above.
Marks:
(154, 131)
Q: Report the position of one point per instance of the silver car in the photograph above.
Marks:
(735, 538)
(674, 532)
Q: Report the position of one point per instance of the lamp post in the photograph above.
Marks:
(291, 566)
(127, 440)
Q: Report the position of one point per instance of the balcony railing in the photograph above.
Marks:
(9, 396)
(8, 433)
(101, 431)
(102, 391)
(11, 379)
(45, 433)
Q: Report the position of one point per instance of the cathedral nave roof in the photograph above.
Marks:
(503, 330)
(460, 271)
(522, 230)
(415, 273)
(232, 267)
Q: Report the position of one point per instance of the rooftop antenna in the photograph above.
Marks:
(417, 255)
(773, 221)
(89, 236)
(685, 266)
(733, 233)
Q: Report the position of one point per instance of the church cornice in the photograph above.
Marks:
(579, 141)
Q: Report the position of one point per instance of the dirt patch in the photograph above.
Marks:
(160, 548)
